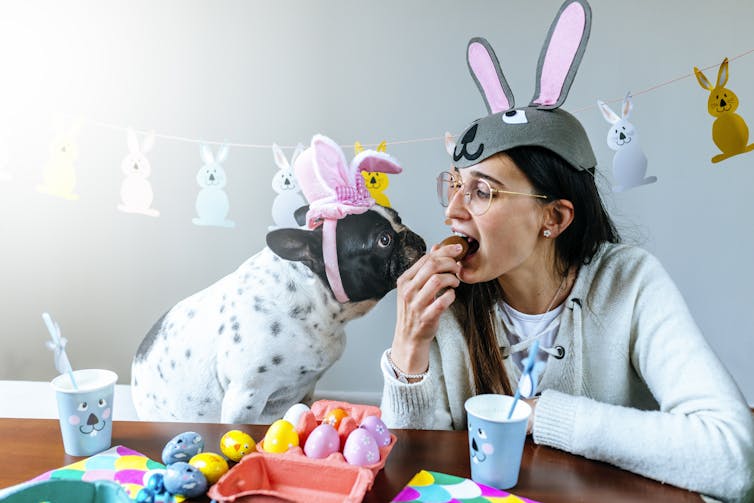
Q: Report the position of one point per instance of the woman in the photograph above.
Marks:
(629, 379)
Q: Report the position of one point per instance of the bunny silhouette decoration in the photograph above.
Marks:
(59, 174)
(729, 130)
(212, 204)
(375, 181)
(285, 185)
(629, 161)
(135, 191)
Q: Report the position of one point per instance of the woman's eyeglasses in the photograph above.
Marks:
(477, 193)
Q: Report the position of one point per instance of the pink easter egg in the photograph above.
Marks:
(361, 448)
(377, 429)
(322, 441)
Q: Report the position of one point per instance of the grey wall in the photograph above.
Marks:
(253, 72)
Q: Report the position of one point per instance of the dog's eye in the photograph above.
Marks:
(102, 402)
(83, 406)
(385, 240)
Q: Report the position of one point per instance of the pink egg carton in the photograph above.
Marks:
(293, 476)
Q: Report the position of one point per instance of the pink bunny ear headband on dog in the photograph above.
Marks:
(334, 190)
(543, 123)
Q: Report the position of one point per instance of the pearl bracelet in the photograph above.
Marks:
(401, 375)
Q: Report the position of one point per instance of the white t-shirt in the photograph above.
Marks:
(523, 327)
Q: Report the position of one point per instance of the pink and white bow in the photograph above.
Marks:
(334, 190)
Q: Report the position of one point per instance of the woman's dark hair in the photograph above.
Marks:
(591, 227)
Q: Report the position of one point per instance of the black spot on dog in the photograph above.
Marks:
(291, 286)
(172, 364)
(149, 339)
(236, 326)
(159, 371)
(275, 328)
(221, 329)
(275, 258)
(248, 407)
(189, 398)
(237, 338)
(277, 359)
(222, 309)
(207, 400)
(261, 369)
(200, 414)
(191, 313)
(188, 353)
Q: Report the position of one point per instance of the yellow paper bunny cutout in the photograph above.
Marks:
(729, 131)
(375, 181)
(59, 174)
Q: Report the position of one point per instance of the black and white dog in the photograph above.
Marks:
(256, 342)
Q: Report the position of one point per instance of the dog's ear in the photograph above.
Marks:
(299, 245)
(300, 215)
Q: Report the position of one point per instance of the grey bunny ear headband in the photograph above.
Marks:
(542, 123)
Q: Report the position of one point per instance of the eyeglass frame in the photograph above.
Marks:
(467, 194)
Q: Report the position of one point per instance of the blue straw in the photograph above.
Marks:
(58, 346)
(529, 365)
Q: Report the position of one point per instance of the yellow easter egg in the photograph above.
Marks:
(235, 444)
(213, 466)
(280, 436)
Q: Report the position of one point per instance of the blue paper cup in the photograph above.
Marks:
(86, 413)
(496, 443)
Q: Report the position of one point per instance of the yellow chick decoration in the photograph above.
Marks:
(375, 181)
(235, 444)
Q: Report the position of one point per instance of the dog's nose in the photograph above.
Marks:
(473, 444)
(92, 420)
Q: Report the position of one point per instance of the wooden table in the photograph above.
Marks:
(30, 447)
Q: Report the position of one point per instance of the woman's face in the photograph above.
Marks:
(508, 232)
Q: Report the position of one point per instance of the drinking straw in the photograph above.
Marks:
(58, 346)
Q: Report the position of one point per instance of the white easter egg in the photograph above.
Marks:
(294, 413)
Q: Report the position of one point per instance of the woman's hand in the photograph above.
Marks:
(425, 291)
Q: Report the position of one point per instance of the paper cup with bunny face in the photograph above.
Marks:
(495, 442)
(86, 412)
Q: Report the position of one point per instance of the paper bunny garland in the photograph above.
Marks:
(629, 161)
(285, 185)
(335, 189)
(543, 123)
(59, 174)
(135, 190)
(729, 130)
(375, 181)
(212, 204)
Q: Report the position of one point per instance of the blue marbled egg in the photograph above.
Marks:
(182, 447)
(182, 478)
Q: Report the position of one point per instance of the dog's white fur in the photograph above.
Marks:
(244, 349)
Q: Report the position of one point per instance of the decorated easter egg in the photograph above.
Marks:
(361, 448)
(235, 444)
(294, 413)
(184, 479)
(212, 465)
(322, 441)
(182, 447)
(280, 436)
(334, 417)
(377, 429)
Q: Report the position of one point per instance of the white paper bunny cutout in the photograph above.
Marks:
(59, 174)
(135, 190)
(212, 204)
(289, 197)
(629, 161)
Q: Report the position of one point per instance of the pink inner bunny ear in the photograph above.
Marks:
(561, 55)
(486, 71)
(369, 160)
(329, 163)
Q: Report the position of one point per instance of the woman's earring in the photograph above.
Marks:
(547, 233)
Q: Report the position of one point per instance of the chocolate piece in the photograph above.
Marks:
(452, 240)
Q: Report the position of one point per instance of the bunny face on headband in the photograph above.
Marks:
(542, 123)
